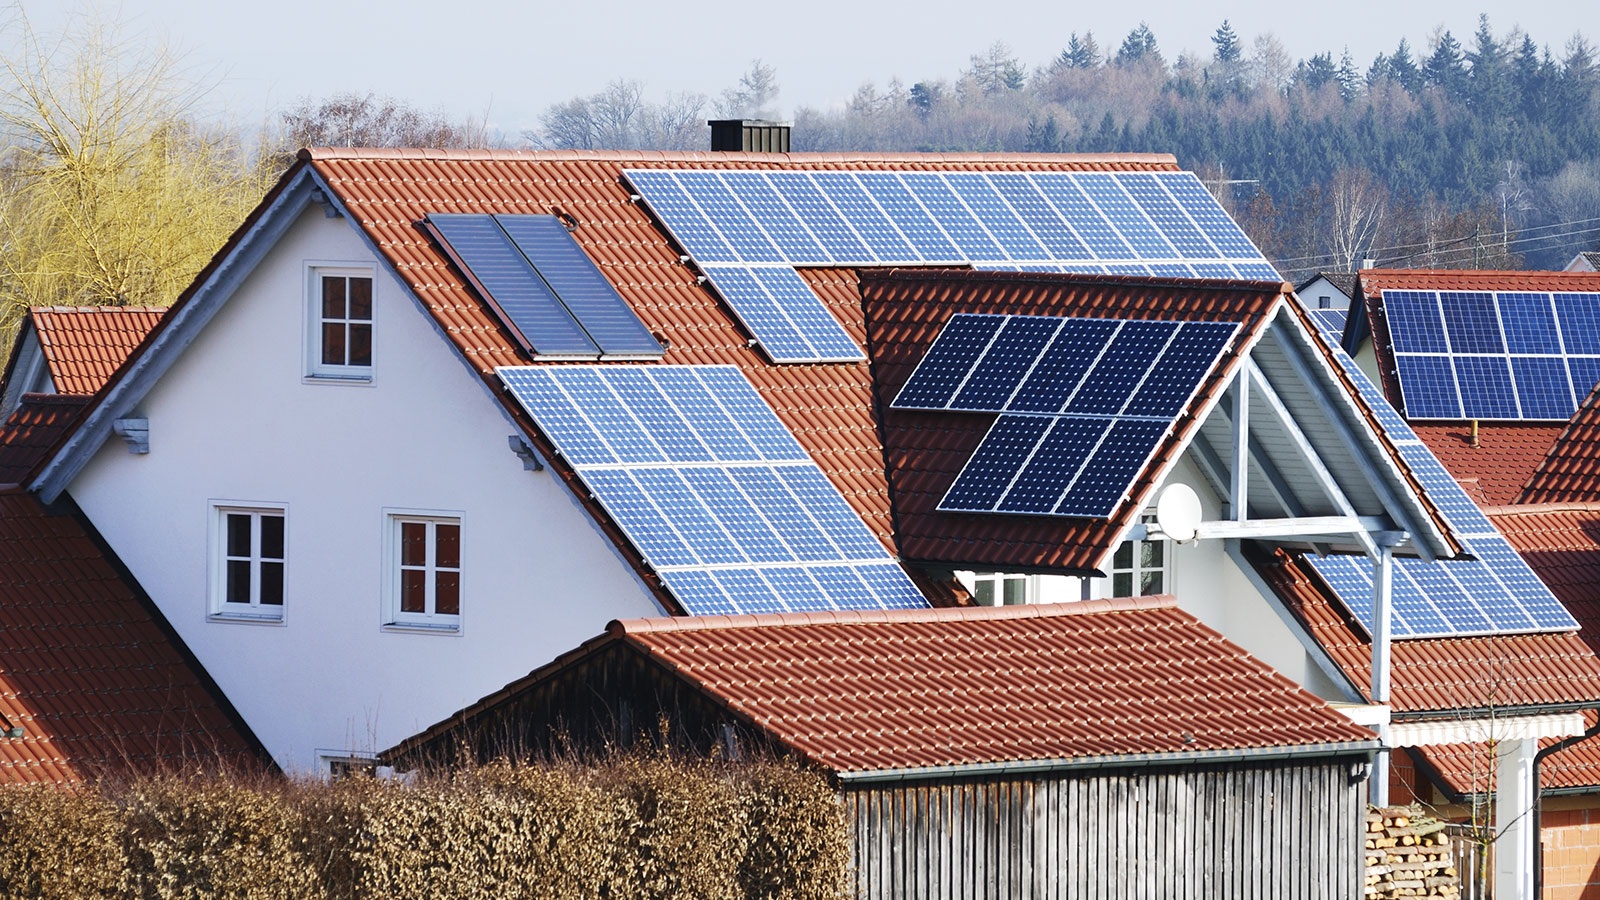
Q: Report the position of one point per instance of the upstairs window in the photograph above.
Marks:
(425, 572)
(341, 323)
(249, 554)
(1139, 568)
(1001, 589)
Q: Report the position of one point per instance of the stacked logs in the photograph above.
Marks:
(1408, 855)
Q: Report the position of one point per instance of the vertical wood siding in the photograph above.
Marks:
(1275, 832)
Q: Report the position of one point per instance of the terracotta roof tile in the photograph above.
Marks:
(1375, 281)
(83, 345)
(1561, 542)
(1507, 455)
(1502, 671)
(1570, 472)
(901, 689)
(96, 683)
(925, 451)
(1466, 768)
(33, 430)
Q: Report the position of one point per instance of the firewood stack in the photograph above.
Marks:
(1408, 855)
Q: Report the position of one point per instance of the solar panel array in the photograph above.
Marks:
(544, 287)
(1083, 402)
(1488, 355)
(741, 226)
(1330, 322)
(711, 488)
(1496, 593)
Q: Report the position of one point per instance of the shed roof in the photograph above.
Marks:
(927, 689)
(90, 673)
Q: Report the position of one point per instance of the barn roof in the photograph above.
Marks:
(938, 689)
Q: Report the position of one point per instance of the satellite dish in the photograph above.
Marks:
(1178, 512)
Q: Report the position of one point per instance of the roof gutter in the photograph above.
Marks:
(1366, 749)
(1538, 802)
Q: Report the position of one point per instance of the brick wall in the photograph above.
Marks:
(1571, 853)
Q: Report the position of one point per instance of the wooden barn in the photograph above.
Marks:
(1106, 748)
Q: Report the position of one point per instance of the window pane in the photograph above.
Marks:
(447, 546)
(447, 593)
(239, 534)
(413, 544)
(983, 592)
(332, 297)
(1016, 591)
(333, 344)
(360, 345)
(272, 584)
(413, 590)
(271, 536)
(238, 581)
(361, 299)
(1123, 558)
(1151, 583)
(1122, 585)
(1151, 553)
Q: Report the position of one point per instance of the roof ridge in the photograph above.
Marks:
(889, 616)
(323, 153)
(90, 307)
(1511, 509)
(925, 273)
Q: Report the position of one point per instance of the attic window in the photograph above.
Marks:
(339, 320)
(543, 286)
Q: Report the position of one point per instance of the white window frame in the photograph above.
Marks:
(1030, 587)
(317, 370)
(219, 609)
(427, 621)
(1136, 570)
(330, 762)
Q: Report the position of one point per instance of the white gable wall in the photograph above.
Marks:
(235, 419)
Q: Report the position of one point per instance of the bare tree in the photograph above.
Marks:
(366, 120)
(754, 97)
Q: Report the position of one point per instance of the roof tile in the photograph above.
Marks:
(1570, 472)
(1495, 471)
(84, 345)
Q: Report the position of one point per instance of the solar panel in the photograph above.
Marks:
(1486, 355)
(1084, 404)
(738, 224)
(1330, 322)
(712, 489)
(1495, 593)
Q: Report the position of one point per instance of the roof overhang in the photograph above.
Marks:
(1477, 730)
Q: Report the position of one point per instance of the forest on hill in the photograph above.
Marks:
(1473, 153)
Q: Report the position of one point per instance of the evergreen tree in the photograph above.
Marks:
(1139, 47)
(1379, 70)
(1229, 49)
(1349, 77)
(1490, 82)
(1403, 68)
(1046, 139)
(1081, 53)
(1446, 69)
(1315, 72)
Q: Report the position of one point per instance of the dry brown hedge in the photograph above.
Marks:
(633, 827)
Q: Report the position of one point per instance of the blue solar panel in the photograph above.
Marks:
(1056, 462)
(1117, 462)
(792, 238)
(1173, 270)
(1257, 270)
(578, 283)
(1005, 450)
(1330, 322)
(944, 369)
(996, 215)
(875, 229)
(1213, 220)
(1170, 382)
(481, 248)
(1060, 369)
(1173, 222)
(816, 213)
(1480, 355)
(909, 217)
(1585, 374)
(760, 529)
(1083, 216)
(784, 314)
(1040, 217)
(1120, 369)
(1125, 216)
(683, 219)
(828, 339)
(1009, 358)
(947, 209)
(728, 216)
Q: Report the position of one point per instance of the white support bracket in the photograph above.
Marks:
(135, 431)
(524, 452)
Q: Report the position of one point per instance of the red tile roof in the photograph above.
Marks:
(1561, 542)
(1570, 472)
(95, 681)
(925, 451)
(907, 689)
(33, 430)
(1468, 768)
(1437, 674)
(83, 345)
(1494, 472)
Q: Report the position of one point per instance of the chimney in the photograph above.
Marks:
(749, 135)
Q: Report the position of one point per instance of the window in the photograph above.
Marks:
(1139, 568)
(249, 554)
(341, 768)
(425, 571)
(1000, 589)
(341, 323)
(1325, 302)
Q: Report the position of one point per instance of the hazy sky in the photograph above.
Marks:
(510, 60)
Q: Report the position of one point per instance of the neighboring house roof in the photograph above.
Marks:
(925, 451)
(1468, 768)
(1586, 261)
(1494, 472)
(83, 345)
(1433, 675)
(1570, 472)
(928, 689)
(1344, 281)
(95, 680)
(34, 430)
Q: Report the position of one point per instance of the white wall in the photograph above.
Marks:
(235, 419)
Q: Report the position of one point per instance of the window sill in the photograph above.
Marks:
(240, 618)
(330, 378)
(422, 628)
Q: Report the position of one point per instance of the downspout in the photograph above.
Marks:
(1538, 800)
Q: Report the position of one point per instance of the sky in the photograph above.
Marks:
(504, 62)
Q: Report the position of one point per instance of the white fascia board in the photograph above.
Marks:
(1365, 435)
(1480, 730)
(184, 324)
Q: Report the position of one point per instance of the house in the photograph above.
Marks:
(993, 743)
(1586, 261)
(1326, 296)
(349, 471)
